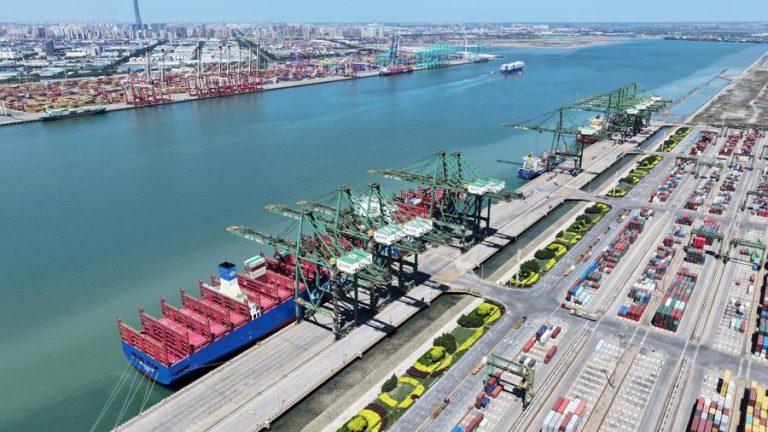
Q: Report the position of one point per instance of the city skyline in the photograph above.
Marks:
(395, 11)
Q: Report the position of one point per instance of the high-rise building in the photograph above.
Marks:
(49, 49)
(136, 13)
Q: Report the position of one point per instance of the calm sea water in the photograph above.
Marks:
(103, 214)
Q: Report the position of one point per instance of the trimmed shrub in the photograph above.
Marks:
(561, 233)
(447, 341)
(436, 353)
(389, 385)
(471, 321)
(412, 371)
(357, 424)
(485, 309)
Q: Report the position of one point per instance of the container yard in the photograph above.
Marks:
(662, 290)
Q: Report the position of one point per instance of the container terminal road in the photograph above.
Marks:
(683, 354)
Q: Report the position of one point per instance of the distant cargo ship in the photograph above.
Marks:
(532, 167)
(394, 70)
(233, 312)
(514, 67)
(62, 113)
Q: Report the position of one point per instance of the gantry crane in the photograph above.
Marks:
(525, 374)
(624, 111)
(453, 194)
(341, 268)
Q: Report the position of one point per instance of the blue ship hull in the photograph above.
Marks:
(512, 71)
(243, 336)
(529, 174)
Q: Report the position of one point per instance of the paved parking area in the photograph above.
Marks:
(626, 412)
(594, 377)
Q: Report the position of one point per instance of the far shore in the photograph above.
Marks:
(555, 43)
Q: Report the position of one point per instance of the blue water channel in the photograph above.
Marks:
(100, 215)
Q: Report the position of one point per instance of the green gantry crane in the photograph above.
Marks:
(525, 373)
(454, 194)
(625, 110)
(341, 268)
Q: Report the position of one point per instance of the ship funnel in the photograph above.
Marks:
(227, 271)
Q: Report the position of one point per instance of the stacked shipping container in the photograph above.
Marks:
(673, 304)
(759, 205)
(670, 183)
(760, 338)
(642, 290)
(705, 139)
(755, 416)
(713, 413)
(591, 278)
(565, 416)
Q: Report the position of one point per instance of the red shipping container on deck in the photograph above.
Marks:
(563, 404)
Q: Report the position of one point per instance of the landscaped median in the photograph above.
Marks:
(634, 177)
(399, 393)
(544, 259)
(670, 143)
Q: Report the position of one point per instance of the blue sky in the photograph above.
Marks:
(393, 11)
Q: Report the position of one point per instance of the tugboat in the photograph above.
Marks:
(532, 168)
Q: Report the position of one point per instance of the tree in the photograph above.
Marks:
(389, 385)
(594, 209)
(584, 219)
(544, 254)
(447, 341)
(531, 266)
(471, 321)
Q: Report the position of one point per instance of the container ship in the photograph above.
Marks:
(233, 312)
(62, 113)
(394, 70)
(591, 134)
(514, 67)
(532, 167)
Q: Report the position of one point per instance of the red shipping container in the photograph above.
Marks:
(496, 391)
(556, 406)
(475, 421)
(580, 407)
(528, 345)
(555, 332)
(550, 354)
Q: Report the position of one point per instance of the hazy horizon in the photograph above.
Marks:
(392, 12)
